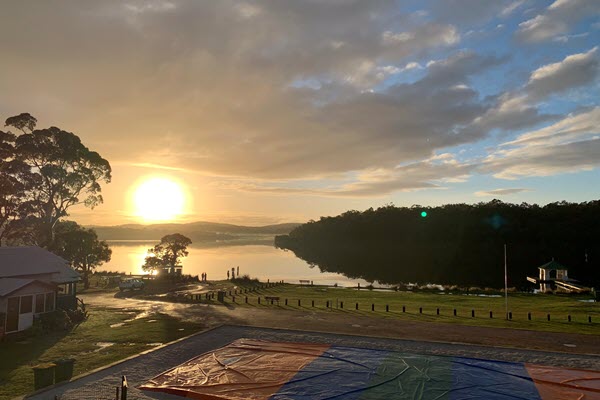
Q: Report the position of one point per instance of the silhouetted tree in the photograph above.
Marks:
(63, 172)
(81, 247)
(167, 253)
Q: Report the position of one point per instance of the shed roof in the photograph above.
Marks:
(17, 262)
(11, 285)
(553, 265)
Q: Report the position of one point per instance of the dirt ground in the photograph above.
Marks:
(334, 322)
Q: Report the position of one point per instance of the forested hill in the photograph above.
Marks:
(197, 231)
(453, 244)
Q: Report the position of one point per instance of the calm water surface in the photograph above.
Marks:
(259, 261)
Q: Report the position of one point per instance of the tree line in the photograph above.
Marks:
(453, 244)
(43, 173)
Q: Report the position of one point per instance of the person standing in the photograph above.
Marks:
(227, 274)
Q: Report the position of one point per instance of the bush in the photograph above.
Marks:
(245, 279)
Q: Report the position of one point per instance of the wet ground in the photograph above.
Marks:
(363, 325)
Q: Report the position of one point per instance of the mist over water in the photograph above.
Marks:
(259, 261)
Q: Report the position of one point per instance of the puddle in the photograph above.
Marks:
(155, 344)
(356, 326)
(587, 301)
(180, 329)
(117, 325)
(151, 320)
(103, 345)
(569, 345)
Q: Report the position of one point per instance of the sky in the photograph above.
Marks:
(286, 110)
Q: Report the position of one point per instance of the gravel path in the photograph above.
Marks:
(101, 384)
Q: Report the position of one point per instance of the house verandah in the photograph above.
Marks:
(33, 281)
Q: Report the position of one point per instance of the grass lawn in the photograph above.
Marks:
(343, 300)
(92, 344)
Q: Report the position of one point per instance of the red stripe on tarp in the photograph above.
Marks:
(565, 383)
(244, 369)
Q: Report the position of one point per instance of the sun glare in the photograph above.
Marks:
(159, 199)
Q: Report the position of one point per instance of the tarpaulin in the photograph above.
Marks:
(256, 370)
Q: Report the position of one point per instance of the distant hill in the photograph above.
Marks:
(197, 231)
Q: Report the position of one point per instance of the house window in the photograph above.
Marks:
(39, 303)
(26, 304)
(49, 302)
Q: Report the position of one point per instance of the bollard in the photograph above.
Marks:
(286, 302)
(403, 308)
(299, 303)
(357, 306)
(529, 316)
(569, 318)
(420, 310)
(387, 308)
(437, 311)
(341, 304)
(548, 317)
(491, 314)
(455, 312)
(372, 307)
(472, 313)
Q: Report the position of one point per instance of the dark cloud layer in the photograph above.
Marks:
(276, 90)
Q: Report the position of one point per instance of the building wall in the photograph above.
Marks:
(34, 299)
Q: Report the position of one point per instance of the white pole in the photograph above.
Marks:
(505, 284)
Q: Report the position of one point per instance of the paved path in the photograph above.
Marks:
(101, 385)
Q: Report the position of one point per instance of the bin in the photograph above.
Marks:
(64, 369)
(43, 375)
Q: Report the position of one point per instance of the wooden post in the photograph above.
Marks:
(124, 387)
(420, 310)
(327, 304)
(387, 308)
(286, 302)
(529, 316)
(455, 312)
(548, 317)
(341, 304)
(357, 306)
(372, 307)
(258, 299)
(299, 304)
(313, 303)
(403, 308)
(491, 314)
(246, 299)
(510, 315)
(569, 318)
(437, 311)
(473, 313)
(590, 319)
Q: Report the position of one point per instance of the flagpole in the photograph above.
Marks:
(505, 284)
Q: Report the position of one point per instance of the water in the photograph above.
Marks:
(259, 261)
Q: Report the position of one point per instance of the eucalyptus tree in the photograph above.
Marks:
(81, 247)
(64, 172)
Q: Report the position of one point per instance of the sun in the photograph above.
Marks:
(159, 199)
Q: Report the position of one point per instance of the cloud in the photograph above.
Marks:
(557, 19)
(574, 71)
(501, 192)
(433, 173)
(569, 145)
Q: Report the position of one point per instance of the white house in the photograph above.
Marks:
(33, 281)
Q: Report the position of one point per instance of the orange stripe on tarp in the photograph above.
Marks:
(565, 383)
(243, 370)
